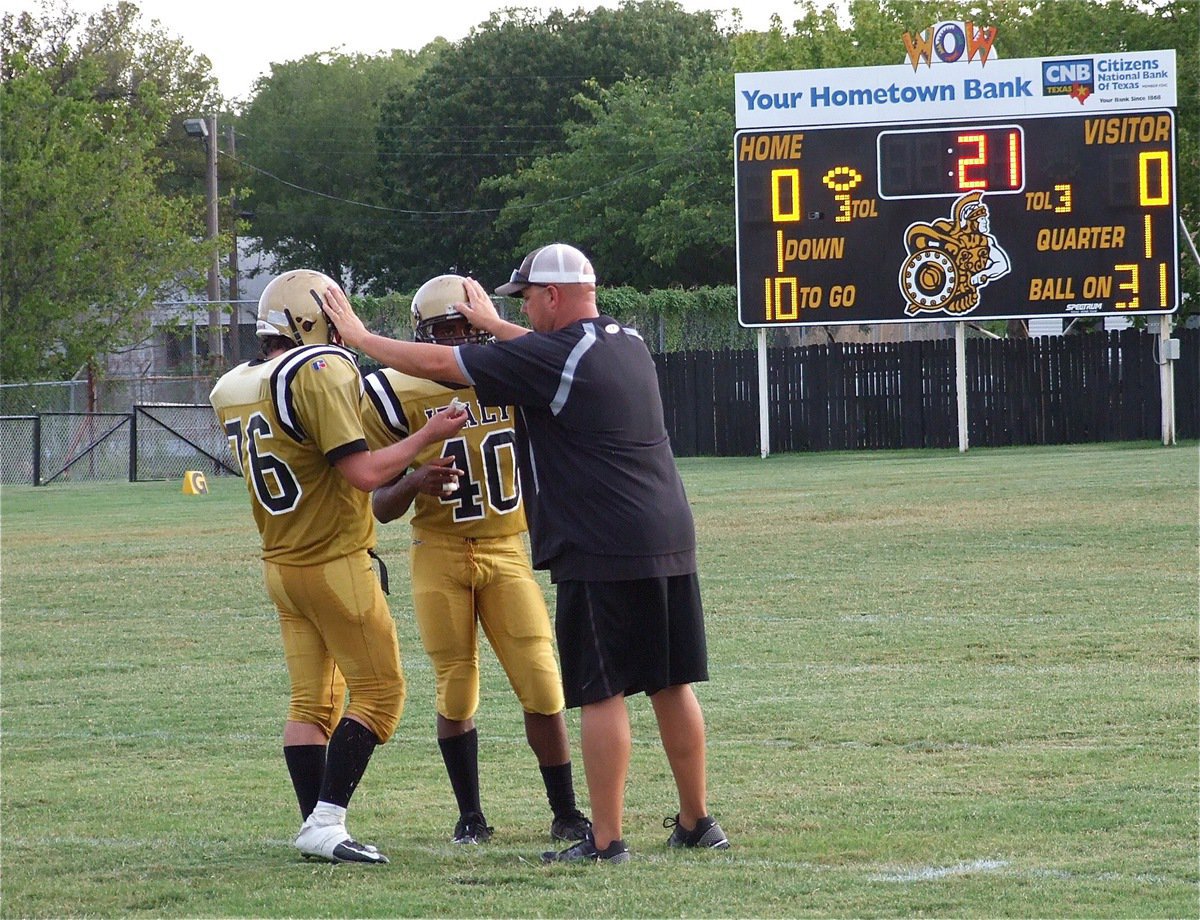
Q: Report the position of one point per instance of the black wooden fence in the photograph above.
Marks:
(1046, 390)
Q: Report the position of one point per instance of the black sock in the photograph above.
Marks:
(350, 749)
(461, 755)
(306, 766)
(560, 789)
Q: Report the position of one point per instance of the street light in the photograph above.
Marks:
(206, 130)
(195, 127)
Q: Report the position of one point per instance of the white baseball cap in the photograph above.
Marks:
(557, 263)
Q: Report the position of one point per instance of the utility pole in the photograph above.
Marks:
(216, 350)
(234, 302)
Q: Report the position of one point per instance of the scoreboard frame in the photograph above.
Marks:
(1010, 212)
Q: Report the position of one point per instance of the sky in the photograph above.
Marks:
(243, 38)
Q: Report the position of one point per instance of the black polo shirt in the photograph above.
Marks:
(602, 493)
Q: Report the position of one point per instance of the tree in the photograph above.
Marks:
(643, 184)
(311, 163)
(90, 242)
(492, 104)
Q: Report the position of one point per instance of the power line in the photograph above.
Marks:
(460, 212)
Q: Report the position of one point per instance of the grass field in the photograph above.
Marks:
(942, 685)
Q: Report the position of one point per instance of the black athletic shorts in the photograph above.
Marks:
(624, 637)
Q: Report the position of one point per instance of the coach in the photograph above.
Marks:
(607, 516)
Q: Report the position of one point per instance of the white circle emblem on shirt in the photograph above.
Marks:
(612, 328)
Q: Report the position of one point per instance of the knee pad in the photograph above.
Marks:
(381, 709)
(458, 691)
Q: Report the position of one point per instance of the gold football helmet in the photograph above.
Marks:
(435, 316)
(292, 305)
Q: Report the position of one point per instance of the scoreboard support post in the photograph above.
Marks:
(1166, 382)
(764, 419)
(960, 382)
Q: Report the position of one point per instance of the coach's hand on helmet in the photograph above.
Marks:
(349, 327)
(479, 308)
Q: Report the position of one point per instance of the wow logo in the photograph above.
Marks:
(949, 41)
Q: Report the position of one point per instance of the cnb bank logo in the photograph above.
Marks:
(1075, 78)
(949, 41)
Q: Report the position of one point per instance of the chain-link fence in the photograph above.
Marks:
(112, 394)
(149, 442)
(80, 446)
(20, 459)
(172, 439)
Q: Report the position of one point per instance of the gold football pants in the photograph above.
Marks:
(460, 582)
(338, 634)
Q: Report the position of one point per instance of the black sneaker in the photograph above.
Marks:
(585, 851)
(571, 826)
(707, 834)
(472, 828)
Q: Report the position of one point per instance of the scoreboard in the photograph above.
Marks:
(1007, 213)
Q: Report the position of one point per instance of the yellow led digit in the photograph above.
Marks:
(1154, 163)
(767, 299)
(794, 307)
(1148, 234)
(1162, 285)
(790, 177)
(1133, 285)
(843, 215)
(1064, 198)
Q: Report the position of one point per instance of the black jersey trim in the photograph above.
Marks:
(281, 383)
(345, 450)
(383, 397)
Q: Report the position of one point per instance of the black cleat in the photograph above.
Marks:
(571, 826)
(332, 843)
(353, 851)
(472, 828)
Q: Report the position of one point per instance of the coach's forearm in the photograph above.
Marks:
(421, 359)
(504, 330)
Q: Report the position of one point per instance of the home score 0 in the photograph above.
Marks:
(1016, 217)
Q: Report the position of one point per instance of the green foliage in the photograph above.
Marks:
(671, 319)
(89, 239)
(942, 685)
(119, 55)
(311, 127)
(642, 184)
(492, 104)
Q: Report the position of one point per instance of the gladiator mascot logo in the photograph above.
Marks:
(951, 259)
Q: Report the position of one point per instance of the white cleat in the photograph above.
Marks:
(332, 842)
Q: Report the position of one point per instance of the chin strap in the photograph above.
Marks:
(292, 325)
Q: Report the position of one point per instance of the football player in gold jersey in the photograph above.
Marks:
(294, 426)
(470, 567)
